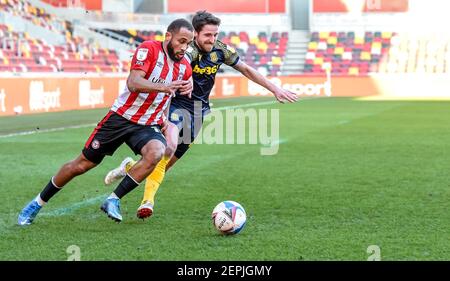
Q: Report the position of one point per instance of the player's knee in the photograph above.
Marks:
(153, 154)
(153, 157)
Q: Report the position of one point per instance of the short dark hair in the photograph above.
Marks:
(177, 24)
(202, 18)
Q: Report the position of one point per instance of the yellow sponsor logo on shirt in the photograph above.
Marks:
(205, 70)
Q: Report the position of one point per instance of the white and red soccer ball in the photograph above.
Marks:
(229, 217)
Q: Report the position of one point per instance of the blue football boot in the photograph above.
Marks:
(111, 207)
(29, 213)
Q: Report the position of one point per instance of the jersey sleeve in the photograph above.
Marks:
(231, 57)
(142, 58)
(191, 53)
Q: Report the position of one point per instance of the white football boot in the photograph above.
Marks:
(117, 173)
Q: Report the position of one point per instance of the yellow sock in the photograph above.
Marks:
(129, 165)
(154, 180)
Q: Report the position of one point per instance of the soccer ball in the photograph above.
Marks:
(229, 217)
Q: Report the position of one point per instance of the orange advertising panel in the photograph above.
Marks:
(33, 95)
(229, 6)
(343, 6)
(36, 95)
(304, 86)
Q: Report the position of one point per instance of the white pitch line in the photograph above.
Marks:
(275, 142)
(94, 124)
(243, 105)
(48, 130)
(73, 207)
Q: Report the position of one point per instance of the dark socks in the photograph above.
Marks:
(125, 186)
(49, 191)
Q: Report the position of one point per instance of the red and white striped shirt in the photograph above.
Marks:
(148, 108)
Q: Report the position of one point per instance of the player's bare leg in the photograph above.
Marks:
(74, 168)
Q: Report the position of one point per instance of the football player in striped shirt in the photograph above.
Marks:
(158, 69)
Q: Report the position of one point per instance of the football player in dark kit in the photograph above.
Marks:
(206, 54)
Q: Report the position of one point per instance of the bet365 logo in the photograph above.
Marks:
(205, 70)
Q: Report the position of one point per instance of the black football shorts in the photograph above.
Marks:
(113, 131)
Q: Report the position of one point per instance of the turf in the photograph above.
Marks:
(348, 174)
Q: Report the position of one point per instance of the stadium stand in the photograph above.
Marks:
(261, 51)
(22, 53)
(347, 53)
(350, 53)
(36, 15)
(344, 52)
(417, 54)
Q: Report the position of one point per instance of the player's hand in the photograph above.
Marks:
(173, 87)
(186, 89)
(283, 95)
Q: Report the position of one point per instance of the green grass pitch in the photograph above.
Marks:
(348, 175)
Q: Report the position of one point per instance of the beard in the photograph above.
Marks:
(206, 47)
(171, 53)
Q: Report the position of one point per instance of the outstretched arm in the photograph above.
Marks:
(280, 94)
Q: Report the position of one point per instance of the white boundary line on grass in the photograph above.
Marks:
(47, 130)
(94, 124)
(243, 105)
(277, 142)
(75, 206)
